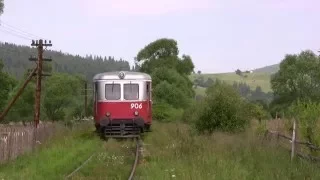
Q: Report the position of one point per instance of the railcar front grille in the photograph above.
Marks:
(122, 128)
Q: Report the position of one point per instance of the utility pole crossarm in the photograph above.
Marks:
(40, 43)
(35, 59)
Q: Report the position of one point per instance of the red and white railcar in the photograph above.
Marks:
(122, 103)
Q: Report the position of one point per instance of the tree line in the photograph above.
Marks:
(226, 107)
(62, 93)
(15, 59)
(62, 97)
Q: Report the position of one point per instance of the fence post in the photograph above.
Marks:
(293, 141)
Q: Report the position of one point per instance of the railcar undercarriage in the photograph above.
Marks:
(122, 128)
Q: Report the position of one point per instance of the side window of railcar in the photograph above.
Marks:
(113, 91)
(148, 90)
(131, 91)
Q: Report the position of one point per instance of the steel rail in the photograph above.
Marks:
(135, 164)
(76, 170)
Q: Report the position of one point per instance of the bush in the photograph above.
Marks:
(223, 109)
(308, 114)
(166, 113)
(182, 82)
(168, 93)
(257, 111)
(191, 114)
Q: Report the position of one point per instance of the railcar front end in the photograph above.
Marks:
(122, 103)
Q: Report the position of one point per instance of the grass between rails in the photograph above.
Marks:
(177, 154)
(56, 158)
(113, 162)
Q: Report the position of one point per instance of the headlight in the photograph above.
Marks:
(136, 113)
(107, 114)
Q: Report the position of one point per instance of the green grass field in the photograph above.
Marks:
(171, 151)
(174, 152)
(56, 158)
(253, 80)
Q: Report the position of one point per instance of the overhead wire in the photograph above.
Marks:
(14, 34)
(12, 30)
(18, 29)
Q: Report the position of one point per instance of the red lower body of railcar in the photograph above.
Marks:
(122, 119)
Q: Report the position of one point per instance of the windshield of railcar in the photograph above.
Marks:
(131, 91)
(113, 91)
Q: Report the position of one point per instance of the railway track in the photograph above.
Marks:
(138, 150)
(137, 157)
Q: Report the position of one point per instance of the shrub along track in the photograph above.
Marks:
(138, 149)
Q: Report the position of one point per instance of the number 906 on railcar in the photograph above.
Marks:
(122, 103)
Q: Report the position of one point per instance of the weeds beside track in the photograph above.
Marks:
(114, 159)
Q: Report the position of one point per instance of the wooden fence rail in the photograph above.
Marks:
(19, 139)
(308, 144)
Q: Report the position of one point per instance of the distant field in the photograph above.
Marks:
(253, 80)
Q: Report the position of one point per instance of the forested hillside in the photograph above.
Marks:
(15, 59)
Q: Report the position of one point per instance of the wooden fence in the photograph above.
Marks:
(301, 152)
(18, 139)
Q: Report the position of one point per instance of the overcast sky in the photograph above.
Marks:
(220, 35)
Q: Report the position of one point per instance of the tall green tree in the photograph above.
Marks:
(161, 48)
(298, 78)
(7, 84)
(23, 109)
(164, 53)
(171, 85)
(62, 91)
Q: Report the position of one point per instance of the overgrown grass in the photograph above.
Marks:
(253, 80)
(114, 161)
(175, 152)
(56, 158)
(171, 151)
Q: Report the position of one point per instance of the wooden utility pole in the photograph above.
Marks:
(39, 44)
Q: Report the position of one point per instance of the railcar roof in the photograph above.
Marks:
(128, 75)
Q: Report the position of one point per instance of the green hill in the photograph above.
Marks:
(268, 69)
(252, 79)
(258, 77)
